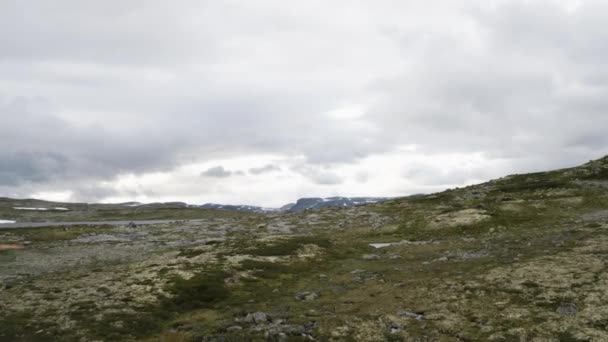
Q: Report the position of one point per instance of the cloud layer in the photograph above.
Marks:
(204, 101)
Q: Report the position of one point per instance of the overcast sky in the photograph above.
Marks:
(262, 102)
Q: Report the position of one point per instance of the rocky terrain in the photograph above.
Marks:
(521, 258)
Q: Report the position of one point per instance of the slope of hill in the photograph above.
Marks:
(521, 258)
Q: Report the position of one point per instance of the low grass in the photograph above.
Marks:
(198, 292)
(45, 234)
(122, 214)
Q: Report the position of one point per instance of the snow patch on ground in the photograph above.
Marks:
(27, 208)
(401, 243)
(6, 221)
(381, 245)
(40, 209)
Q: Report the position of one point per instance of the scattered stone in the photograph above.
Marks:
(183, 327)
(567, 309)
(132, 225)
(371, 257)
(393, 328)
(418, 315)
(459, 218)
(234, 328)
(256, 317)
(307, 296)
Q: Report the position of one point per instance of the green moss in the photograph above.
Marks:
(190, 253)
(567, 336)
(23, 327)
(59, 233)
(200, 291)
(271, 270)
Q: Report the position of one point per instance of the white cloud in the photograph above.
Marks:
(101, 102)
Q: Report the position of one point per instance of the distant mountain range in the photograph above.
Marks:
(299, 205)
(302, 204)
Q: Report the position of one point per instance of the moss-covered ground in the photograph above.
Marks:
(522, 258)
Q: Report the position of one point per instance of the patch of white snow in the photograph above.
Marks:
(380, 245)
(27, 208)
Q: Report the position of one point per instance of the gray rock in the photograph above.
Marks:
(234, 328)
(306, 296)
(393, 328)
(418, 315)
(371, 257)
(260, 317)
(567, 309)
(256, 317)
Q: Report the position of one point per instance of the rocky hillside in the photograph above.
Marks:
(521, 258)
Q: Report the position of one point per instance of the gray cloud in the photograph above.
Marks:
(217, 172)
(39, 146)
(264, 169)
(31, 167)
(318, 174)
(91, 91)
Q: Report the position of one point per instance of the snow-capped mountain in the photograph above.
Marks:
(301, 204)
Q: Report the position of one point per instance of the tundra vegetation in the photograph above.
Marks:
(521, 258)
